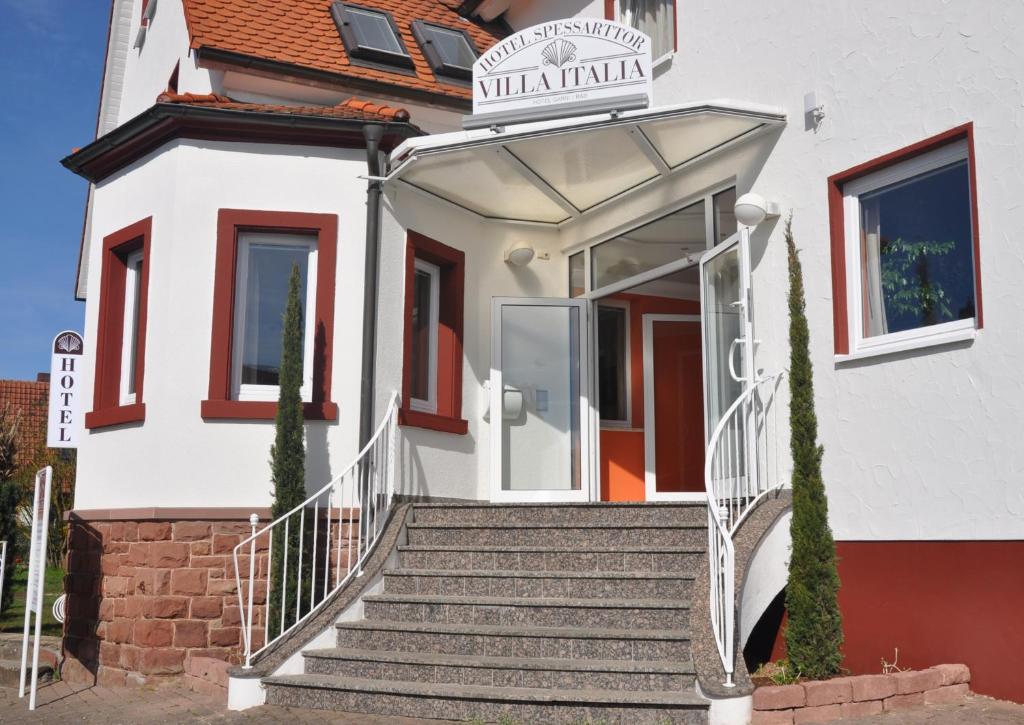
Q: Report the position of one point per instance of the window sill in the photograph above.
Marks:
(261, 410)
(909, 345)
(104, 417)
(432, 421)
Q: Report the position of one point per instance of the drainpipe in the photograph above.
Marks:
(373, 134)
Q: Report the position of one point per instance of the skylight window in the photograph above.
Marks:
(370, 35)
(449, 52)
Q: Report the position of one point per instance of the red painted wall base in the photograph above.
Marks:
(937, 601)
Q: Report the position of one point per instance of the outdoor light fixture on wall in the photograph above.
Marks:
(752, 209)
(519, 255)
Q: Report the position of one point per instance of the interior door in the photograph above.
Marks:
(673, 407)
(539, 409)
(726, 317)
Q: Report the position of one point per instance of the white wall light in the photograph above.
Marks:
(751, 209)
(520, 255)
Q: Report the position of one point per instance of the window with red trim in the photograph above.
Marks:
(656, 18)
(905, 248)
(121, 328)
(256, 251)
(432, 369)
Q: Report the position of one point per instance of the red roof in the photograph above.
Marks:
(303, 33)
(31, 400)
(351, 108)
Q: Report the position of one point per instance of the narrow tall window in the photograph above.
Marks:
(656, 18)
(613, 363)
(432, 369)
(130, 342)
(265, 262)
(425, 309)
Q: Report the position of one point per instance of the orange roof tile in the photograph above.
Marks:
(303, 33)
(350, 108)
(30, 400)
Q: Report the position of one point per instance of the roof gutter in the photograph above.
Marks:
(165, 121)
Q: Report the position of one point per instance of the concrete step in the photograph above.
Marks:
(663, 514)
(580, 537)
(570, 584)
(477, 702)
(501, 671)
(532, 612)
(525, 558)
(593, 643)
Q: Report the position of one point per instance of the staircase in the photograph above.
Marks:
(523, 613)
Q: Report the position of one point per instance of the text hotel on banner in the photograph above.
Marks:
(64, 422)
(563, 62)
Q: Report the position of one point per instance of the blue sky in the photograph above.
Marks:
(49, 85)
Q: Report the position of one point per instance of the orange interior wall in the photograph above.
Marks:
(622, 451)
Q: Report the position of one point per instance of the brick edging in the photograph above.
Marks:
(860, 695)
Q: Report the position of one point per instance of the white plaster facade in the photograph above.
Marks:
(919, 445)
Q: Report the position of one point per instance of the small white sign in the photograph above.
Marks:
(64, 423)
(36, 581)
(563, 62)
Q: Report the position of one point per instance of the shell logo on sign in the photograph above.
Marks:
(564, 63)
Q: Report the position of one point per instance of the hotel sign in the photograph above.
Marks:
(581, 61)
(63, 423)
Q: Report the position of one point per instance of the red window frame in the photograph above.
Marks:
(106, 401)
(219, 404)
(837, 222)
(452, 263)
(610, 14)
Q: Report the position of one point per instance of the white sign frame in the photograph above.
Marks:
(64, 421)
(545, 71)
(36, 580)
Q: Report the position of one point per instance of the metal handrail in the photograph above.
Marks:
(738, 473)
(353, 509)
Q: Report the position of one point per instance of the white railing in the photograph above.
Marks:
(741, 467)
(331, 534)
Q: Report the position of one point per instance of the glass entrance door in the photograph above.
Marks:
(728, 350)
(538, 400)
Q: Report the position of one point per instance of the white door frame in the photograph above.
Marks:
(651, 492)
(586, 489)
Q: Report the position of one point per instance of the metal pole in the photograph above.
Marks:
(254, 519)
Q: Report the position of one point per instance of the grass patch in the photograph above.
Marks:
(13, 619)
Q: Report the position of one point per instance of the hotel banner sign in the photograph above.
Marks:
(584, 62)
(63, 424)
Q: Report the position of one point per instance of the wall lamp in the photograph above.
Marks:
(752, 209)
(520, 255)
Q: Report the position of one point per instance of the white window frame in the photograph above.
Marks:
(129, 327)
(246, 240)
(667, 55)
(628, 372)
(434, 272)
(946, 332)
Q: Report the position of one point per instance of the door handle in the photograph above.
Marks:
(732, 356)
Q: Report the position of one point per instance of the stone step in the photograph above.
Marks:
(477, 702)
(570, 584)
(592, 643)
(583, 538)
(531, 612)
(525, 558)
(663, 514)
(501, 671)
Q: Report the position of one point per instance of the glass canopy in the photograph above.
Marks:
(551, 172)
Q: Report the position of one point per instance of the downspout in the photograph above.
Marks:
(373, 133)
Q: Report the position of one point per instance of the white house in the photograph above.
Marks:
(558, 254)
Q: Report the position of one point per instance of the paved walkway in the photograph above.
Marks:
(62, 704)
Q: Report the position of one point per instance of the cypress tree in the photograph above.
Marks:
(288, 459)
(814, 633)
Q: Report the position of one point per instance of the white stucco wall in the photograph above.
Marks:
(175, 458)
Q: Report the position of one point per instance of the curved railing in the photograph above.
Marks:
(299, 560)
(741, 467)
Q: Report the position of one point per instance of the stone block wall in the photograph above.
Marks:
(859, 696)
(150, 599)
